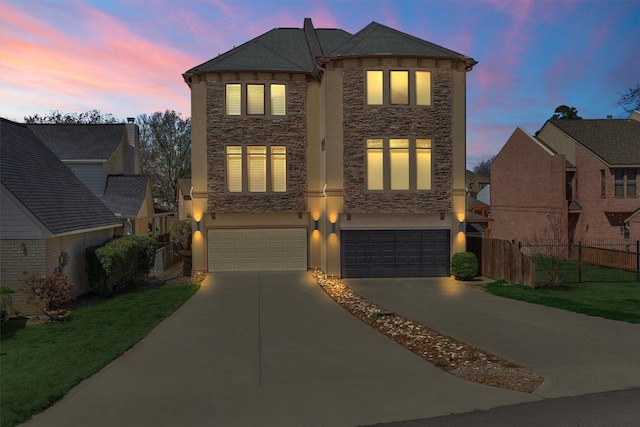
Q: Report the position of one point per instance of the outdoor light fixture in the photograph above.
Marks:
(315, 225)
(197, 225)
(333, 228)
(62, 259)
(460, 226)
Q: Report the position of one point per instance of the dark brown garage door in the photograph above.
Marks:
(395, 253)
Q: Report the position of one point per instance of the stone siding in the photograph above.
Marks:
(288, 130)
(361, 122)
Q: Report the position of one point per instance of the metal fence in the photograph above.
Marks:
(167, 256)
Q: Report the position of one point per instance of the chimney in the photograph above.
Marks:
(609, 116)
(131, 119)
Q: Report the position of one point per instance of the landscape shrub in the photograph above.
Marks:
(49, 293)
(464, 265)
(120, 264)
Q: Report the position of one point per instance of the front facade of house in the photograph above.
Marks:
(315, 148)
(579, 174)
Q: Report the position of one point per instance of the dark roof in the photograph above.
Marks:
(80, 141)
(298, 49)
(617, 142)
(37, 178)
(125, 194)
(377, 39)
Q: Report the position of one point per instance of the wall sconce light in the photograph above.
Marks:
(197, 225)
(441, 216)
(460, 226)
(62, 259)
(25, 251)
(333, 228)
(315, 225)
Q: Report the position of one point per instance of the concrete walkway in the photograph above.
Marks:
(272, 349)
(576, 354)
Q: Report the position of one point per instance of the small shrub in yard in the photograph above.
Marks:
(49, 293)
(464, 265)
(120, 264)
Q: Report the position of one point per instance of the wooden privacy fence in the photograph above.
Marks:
(503, 260)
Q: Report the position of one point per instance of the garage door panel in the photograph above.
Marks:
(395, 253)
(257, 249)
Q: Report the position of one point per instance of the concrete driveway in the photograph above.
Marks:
(272, 349)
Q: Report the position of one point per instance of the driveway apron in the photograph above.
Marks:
(267, 349)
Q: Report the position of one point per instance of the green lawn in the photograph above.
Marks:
(40, 364)
(611, 300)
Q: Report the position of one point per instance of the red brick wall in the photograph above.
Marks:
(527, 185)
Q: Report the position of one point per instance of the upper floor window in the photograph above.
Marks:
(631, 182)
(256, 169)
(398, 164)
(625, 180)
(255, 99)
(619, 182)
(398, 87)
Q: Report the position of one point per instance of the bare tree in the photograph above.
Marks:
(630, 100)
(56, 117)
(165, 151)
(550, 249)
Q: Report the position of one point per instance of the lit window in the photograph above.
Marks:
(278, 100)
(423, 164)
(399, 93)
(233, 99)
(375, 164)
(399, 163)
(278, 169)
(423, 88)
(257, 169)
(374, 88)
(234, 169)
(255, 99)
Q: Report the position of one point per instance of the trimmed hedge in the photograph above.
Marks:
(120, 264)
(464, 265)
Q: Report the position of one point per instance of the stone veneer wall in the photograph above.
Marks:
(361, 122)
(288, 130)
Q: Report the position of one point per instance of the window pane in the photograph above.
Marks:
(279, 169)
(619, 182)
(278, 100)
(234, 169)
(399, 162)
(631, 182)
(255, 99)
(257, 165)
(374, 87)
(602, 183)
(233, 99)
(423, 164)
(374, 164)
(399, 87)
(423, 88)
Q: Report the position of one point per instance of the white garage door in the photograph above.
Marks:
(257, 249)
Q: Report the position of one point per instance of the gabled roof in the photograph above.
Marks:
(80, 141)
(616, 142)
(45, 186)
(377, 39)
(125, 194)
(299, 49)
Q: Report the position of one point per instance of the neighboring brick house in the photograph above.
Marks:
(96, 153)
(316, 148)
(580, 173)
(48, 217)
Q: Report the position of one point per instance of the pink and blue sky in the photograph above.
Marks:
(126, 57)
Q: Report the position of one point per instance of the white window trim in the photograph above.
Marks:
(386, 162)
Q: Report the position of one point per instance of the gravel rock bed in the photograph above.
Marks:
(448, 354)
